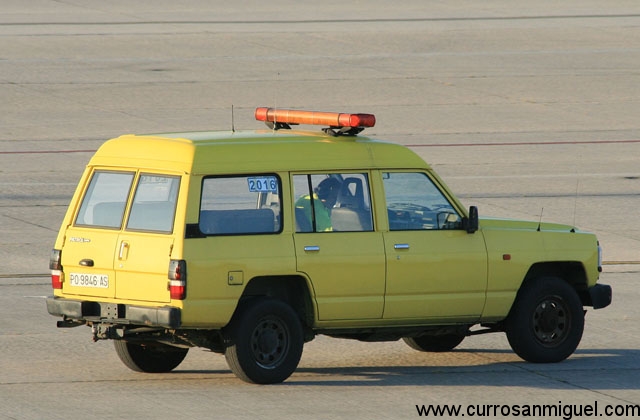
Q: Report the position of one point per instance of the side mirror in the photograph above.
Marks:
(470, 224)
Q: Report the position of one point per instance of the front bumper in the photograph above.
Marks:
(601, 296)
(112, 313)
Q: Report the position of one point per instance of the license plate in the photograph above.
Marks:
(89, 280)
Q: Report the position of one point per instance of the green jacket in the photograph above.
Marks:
(323, 214)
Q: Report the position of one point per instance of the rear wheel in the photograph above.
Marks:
(434, 343)
(546, 322)
(266, 341)
(150, 358)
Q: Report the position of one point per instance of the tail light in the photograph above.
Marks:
(178, 279)
(55, 265)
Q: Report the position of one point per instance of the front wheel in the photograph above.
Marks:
(151, 357)
(266, 341)
(546, 321)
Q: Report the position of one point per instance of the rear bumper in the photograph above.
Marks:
(601, 296)
(111, 313)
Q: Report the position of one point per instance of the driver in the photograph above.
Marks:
(324, 198)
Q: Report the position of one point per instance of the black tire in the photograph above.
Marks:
(546, 321)
(434, 343)
(149, 358)
(265, 341)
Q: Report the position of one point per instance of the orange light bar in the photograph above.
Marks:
(331, 119)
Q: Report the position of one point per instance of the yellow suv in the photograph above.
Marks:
(251, 243)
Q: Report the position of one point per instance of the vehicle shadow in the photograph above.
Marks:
(601, 369)
(590, 368)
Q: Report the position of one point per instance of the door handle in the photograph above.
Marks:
(124, 250)
(312, 248)
(401, 246)
(87, 262)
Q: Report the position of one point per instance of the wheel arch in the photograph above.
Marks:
(572, 272)
(291, 289)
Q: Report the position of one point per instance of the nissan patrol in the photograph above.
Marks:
(250, 243)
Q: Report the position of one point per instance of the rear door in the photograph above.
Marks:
(143, 248)
(120, 243)
(90, 242)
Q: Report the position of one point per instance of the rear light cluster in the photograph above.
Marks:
(55, 265)
(178, 279)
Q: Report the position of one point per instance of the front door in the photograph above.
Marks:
(435, 269)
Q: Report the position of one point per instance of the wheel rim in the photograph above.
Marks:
(551, 321)
(270, 342)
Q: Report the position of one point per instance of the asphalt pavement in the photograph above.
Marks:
(526, 109)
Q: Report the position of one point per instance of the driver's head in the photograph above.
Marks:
(327, 191)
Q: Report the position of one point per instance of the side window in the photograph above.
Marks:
(154, 203)
(415, 203)
(105, 199)
(332, 202)
(240, 205)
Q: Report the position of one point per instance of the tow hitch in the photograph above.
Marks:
(106, 332)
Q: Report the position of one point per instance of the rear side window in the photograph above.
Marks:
(104, 201)
(241, 205)
(154, 204)
(336, 202)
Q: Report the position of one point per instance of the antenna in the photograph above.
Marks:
(575, 201)
(540, 221)
(275, 100)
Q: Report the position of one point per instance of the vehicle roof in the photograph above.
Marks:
(221, 152)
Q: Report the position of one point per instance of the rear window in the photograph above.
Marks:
(153, 208)
(105, 200)
(154, 204)
(240, 205)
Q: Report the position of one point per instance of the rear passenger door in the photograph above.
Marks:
(336, 245)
